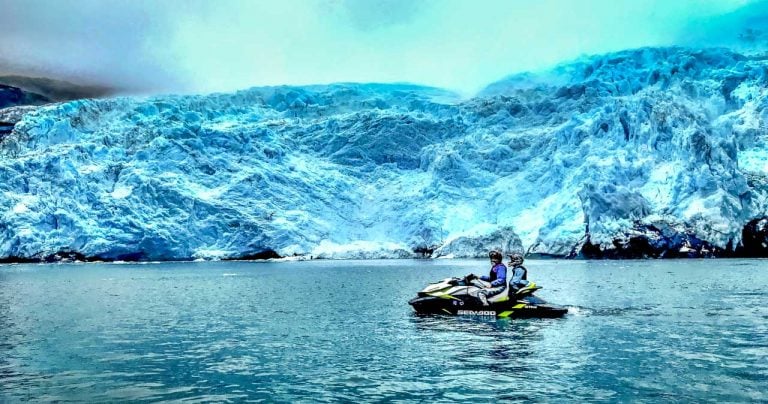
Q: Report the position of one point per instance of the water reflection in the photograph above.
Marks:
(9, 337)
(499, 345)
(226, 331)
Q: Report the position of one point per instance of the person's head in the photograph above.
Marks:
(495, 256)
(515, 259)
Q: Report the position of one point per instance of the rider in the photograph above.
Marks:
(519, 272)
(497, 278)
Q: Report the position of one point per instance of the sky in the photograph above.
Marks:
(197, 46)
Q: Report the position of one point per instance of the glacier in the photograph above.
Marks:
(652, 152)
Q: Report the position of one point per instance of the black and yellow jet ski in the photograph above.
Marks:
(458, 296)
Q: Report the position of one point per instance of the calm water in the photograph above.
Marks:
(342, 331)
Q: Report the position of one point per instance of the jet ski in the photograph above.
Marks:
(458, 296)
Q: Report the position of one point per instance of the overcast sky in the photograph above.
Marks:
(203, 46)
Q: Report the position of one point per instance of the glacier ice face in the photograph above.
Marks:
(664, 144)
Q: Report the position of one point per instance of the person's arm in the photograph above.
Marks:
(501, 276)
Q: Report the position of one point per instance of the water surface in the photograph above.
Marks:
(681, 330)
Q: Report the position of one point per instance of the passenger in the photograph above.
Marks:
(519, 273)
(497, 278)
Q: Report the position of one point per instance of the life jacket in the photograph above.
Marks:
(525, 272)
(495, 274)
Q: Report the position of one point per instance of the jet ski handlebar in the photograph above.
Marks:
(469, 280)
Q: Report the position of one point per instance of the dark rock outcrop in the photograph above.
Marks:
(13, 96)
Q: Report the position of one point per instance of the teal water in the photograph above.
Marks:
(644, 331)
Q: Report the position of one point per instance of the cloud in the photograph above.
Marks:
(744, 29)
(372, 15)
(202, 46)
(88, 41)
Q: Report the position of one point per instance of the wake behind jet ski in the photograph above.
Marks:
(487, 295)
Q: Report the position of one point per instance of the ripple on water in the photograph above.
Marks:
(202, 332)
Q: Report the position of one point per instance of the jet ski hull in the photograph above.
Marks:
(470, 307)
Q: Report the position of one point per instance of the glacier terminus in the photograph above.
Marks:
(652, 152)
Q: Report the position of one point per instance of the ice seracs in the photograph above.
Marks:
(635, 153)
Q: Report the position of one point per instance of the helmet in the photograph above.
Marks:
(516, 259)
(494, 255)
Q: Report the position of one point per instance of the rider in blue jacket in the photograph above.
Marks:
(497, 278)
